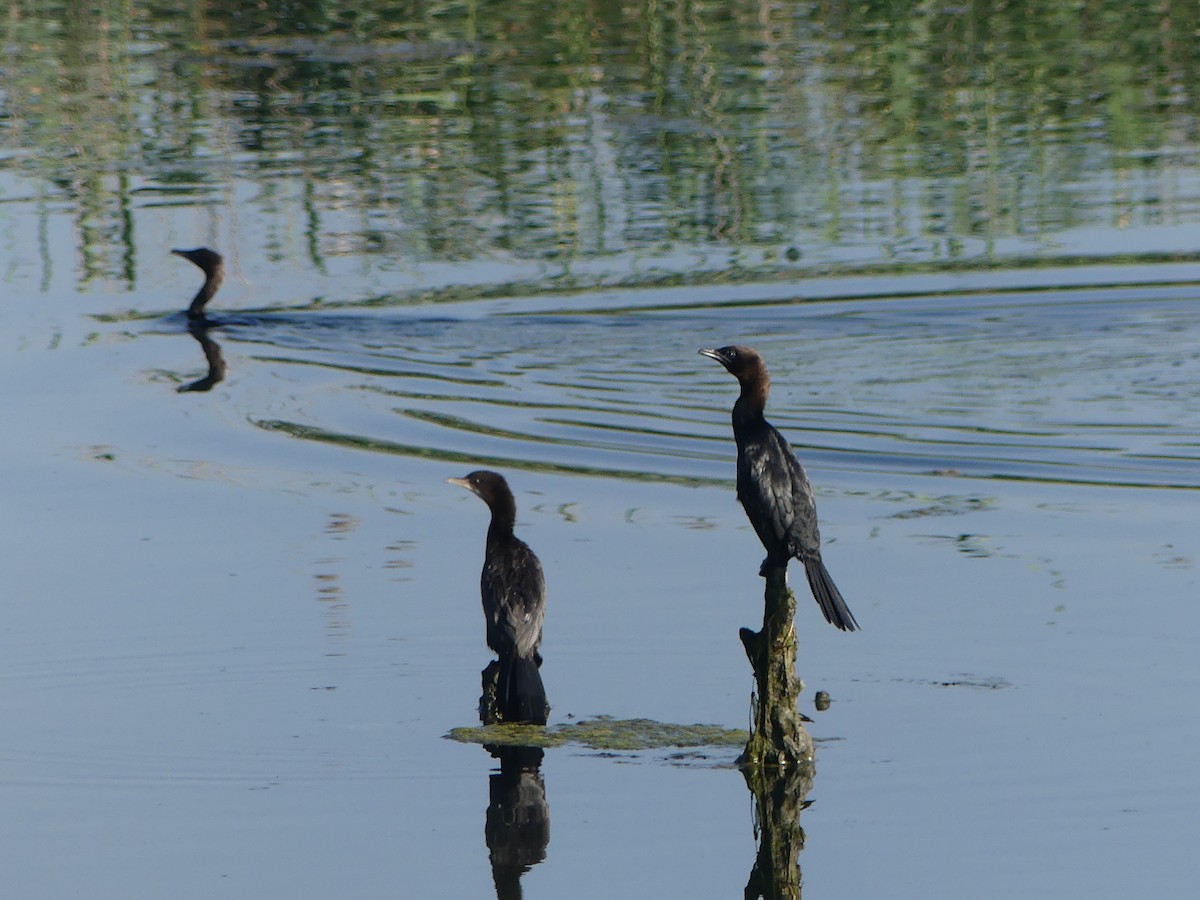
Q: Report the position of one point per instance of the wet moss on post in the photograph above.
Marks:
(490, 712)
(489, 678)
(778, 762)
(779, 742)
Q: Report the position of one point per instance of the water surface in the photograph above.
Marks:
(239, 621)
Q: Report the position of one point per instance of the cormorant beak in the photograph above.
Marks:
(713, 354)
(462, 482)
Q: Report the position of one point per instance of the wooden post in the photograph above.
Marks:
(779, 741)
(778, 762)
(489, 710)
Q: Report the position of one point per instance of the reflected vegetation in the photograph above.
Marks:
(517, 824)
(633, 144)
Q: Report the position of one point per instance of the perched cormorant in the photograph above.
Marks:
(514, 602)
(773, 488)
(213, 265)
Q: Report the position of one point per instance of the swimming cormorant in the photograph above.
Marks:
(773, 488)
(213, 265)
(514, 602)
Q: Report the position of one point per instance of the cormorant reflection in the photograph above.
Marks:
(212, 264)
(517, 825)
(212, 353)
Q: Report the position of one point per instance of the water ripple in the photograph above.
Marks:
(1066, 387)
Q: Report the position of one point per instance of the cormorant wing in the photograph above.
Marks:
(778, 496)
(514, 598)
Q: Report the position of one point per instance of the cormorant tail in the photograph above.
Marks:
(837, 613)
(520, 694)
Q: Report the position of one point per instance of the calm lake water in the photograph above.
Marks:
(239, 622)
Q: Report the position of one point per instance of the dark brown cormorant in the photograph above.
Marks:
(514, 602)
(213, 265)
(773, 488)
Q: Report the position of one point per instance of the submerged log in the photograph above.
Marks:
(779, 741)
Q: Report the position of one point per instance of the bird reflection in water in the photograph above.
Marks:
(212, 264)
(517, 825)
(212, 353)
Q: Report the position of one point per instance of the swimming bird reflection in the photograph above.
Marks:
(212, 354)
(517, 824)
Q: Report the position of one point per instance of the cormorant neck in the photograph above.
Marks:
(753, 399)
(504, 518)
(212, 281)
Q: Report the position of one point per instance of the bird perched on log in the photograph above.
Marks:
(212, 264)
(514, 603)
(773, 488)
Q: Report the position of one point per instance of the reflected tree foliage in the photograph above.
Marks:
(754, 137)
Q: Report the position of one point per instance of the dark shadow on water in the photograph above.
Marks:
(517, 823)
(779, 798)
(212, 354)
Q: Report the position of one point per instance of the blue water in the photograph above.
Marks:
(240, 622)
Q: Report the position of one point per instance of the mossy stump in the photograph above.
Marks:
(490, 712)
(779, 742)
(489, 709)
(778, 762)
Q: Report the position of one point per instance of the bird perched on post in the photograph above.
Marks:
(212, 264)
(773, 488)
(514, 603)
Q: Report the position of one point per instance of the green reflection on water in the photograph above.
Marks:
(678, 141)
(378, 445)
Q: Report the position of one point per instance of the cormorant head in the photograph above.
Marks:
(490, 487)
(210, 261)
(742, 362)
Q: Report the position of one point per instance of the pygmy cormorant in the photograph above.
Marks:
(514, 602)
(213, 265)
(773, 488)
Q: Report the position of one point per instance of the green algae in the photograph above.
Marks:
(603, 733)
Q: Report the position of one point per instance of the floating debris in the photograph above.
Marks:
(603, 733)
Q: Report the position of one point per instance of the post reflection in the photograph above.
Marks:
(212, 353)
(517, 824)
(779, 798)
